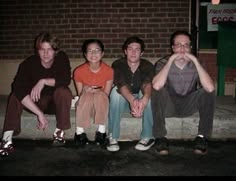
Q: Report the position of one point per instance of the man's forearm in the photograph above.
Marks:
(50, 82)
(29, 104)
(147, 90)
(127, 94)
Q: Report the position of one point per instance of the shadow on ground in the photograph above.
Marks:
(39, 158)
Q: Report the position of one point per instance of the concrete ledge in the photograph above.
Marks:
(224, 126)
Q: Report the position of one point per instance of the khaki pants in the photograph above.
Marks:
(92, 105)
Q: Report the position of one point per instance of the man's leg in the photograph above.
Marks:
(203, 102)
(206, 111)
(162, 107)
(206, 107)
(147, 140)
(147, 122)
(118, 105)
(13, 115)
(12, 125)
(62, 98)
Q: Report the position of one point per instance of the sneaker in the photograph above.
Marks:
(113, 145)
(6, 147)
(200, 145)
(144, 144)
(81, 139)
(100, 138)
(58, 138)
(162, 146)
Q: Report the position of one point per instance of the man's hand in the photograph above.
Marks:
(42, 122)
(138, 108)
(36, 91)
(134, 108)
(190, 57)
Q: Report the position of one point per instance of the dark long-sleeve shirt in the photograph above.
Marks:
(30, 71)
(134, 81)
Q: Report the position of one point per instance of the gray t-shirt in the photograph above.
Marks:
(180, 82)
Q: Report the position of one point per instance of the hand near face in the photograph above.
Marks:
(190, 57)
(175, 56)
(183, 57)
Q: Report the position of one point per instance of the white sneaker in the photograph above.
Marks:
(6, 147)
(113, 145)
(144, 144)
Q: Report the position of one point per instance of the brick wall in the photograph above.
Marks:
(210, 60)
(109, 20)
(76, 20)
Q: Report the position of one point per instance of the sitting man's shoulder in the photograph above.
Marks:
(119, 61)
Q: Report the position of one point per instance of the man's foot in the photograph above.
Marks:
(162, 146)
(200, 145)
(145, 144)
(58, 138)
(81, 139)
(6, 147)
(100, 138)
(113, 145)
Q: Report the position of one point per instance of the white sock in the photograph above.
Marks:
(7, 135)
(79, 130)
(200, 135)
(101, 128)
(56, 130)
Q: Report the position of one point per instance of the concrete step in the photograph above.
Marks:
(224, 126)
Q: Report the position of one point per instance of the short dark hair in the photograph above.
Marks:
(179, 32)
(89, 41)
(133, 39)
(49, 38)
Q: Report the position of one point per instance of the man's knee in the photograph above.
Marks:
(63, 92)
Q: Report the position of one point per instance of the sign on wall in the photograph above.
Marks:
(219, 13)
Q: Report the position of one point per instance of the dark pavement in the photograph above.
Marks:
(39, 158)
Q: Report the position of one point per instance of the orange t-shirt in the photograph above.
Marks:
(84, 75)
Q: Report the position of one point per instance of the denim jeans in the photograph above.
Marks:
(119, 105)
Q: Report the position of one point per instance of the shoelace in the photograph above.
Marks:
(6, 148)
(113, 141)
(59, 135)
(144, 141)
(5, 144)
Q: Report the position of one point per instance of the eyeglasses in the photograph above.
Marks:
(185, 46)
(95, 51)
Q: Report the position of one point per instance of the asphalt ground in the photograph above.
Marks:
(39, 158)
